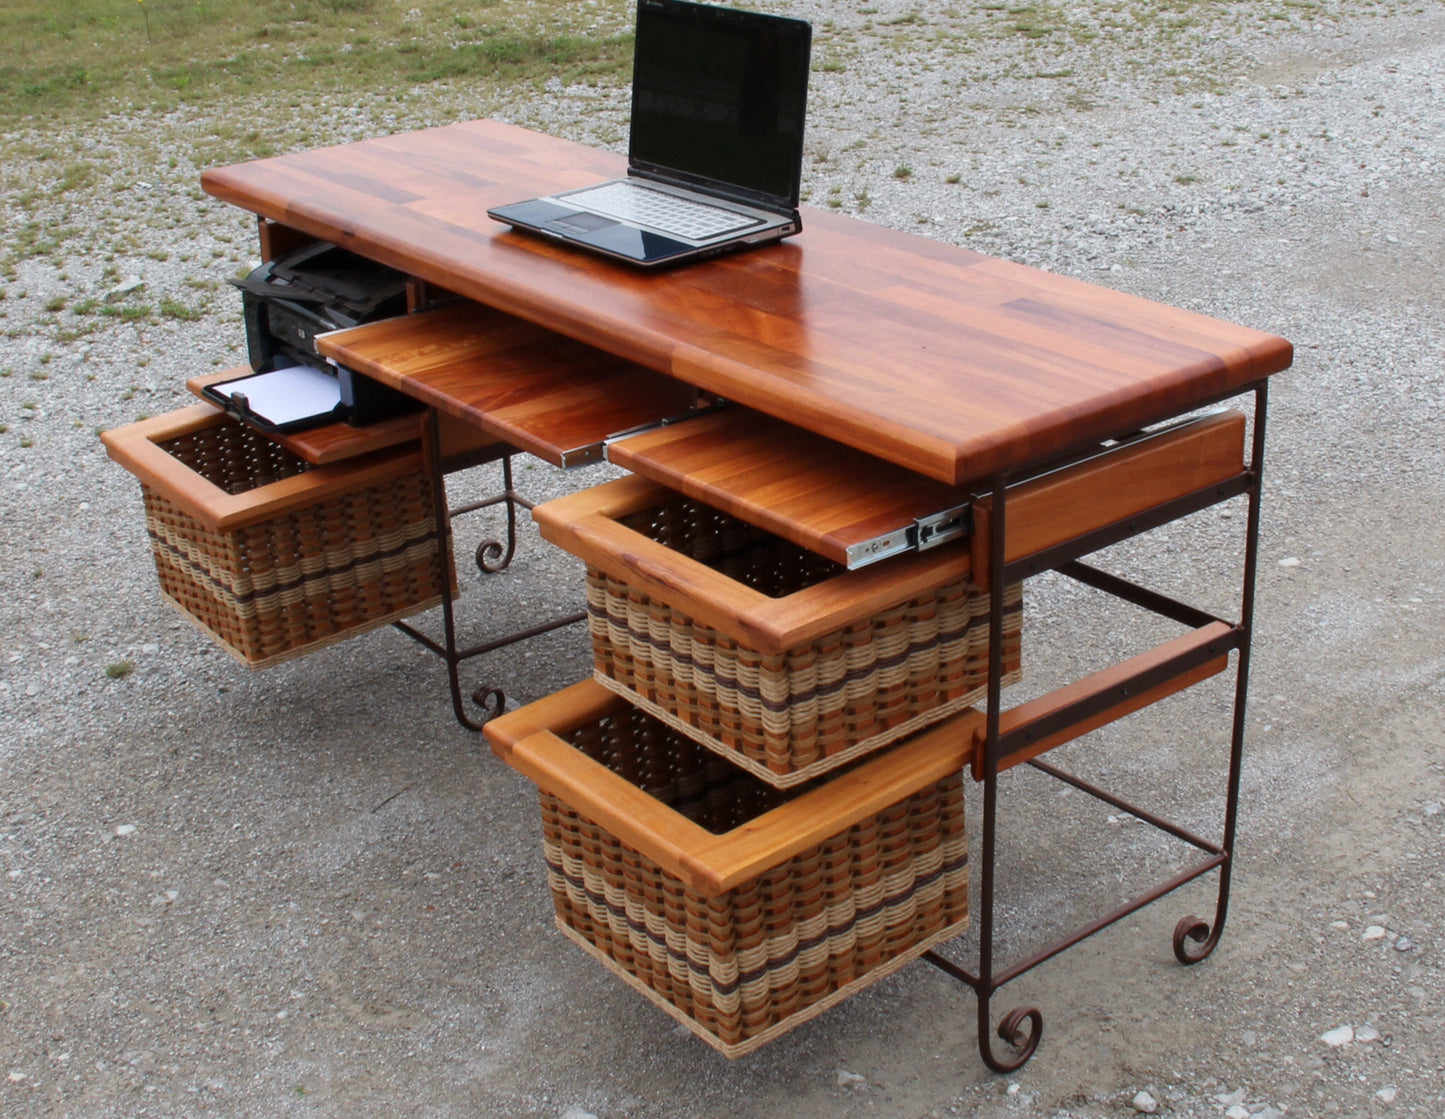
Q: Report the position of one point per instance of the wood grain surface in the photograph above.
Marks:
(533, 388)
(932, 356)
(336, 442)
(817, 493)
(1112, 486)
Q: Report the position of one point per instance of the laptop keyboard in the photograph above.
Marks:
(657, 209)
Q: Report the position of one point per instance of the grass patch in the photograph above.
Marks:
(119, 669)
(84, 58)
(127, 312)
(175, 309)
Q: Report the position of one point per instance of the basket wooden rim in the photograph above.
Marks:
(586, 524)
(529, 741)
(137, 447)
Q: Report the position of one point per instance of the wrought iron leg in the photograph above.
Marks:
(1011, 1028)
(494, 556)
(1021, 1028)
(491, 557)
(1194, 938)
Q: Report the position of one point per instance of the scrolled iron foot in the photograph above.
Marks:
(1193, 931)
(490, 700)
(494, 557)
(1012, 1032)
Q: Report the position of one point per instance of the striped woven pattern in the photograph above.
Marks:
(304, 578)
(741, 968)
(789, 717)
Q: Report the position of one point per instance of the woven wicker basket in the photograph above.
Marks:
(272, 557)
(757, 648)
(740, 909)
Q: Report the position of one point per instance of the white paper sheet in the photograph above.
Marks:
(284, 396)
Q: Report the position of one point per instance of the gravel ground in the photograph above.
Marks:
(308, 892)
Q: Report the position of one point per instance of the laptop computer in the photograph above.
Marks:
(715, 149)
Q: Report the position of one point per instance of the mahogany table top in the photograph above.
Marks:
(938, 358)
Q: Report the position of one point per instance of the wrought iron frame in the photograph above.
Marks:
(492, 557)
(1021, 1028)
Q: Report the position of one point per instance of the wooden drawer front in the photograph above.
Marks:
(534, 389)
(1113, 486)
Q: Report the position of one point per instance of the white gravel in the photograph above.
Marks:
(307, 892)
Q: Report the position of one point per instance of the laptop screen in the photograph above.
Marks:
(719, 97)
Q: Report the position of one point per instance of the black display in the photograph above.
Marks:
(719, 95)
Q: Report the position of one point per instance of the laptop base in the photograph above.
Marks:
(617, 240)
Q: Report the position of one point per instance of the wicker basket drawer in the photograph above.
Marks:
(271, 556)
(775, 657)
(740, 909)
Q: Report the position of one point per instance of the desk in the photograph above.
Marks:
(966, 370)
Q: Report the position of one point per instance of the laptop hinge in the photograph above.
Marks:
(716, 190)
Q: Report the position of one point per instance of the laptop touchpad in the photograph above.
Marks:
(581, 222)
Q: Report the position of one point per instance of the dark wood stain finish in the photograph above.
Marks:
(931, 356)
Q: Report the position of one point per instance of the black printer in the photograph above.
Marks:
(287, 302)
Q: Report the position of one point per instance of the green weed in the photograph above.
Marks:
(174, 309)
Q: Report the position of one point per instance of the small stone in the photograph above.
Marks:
(1432, 809)
(848, 1079)
(575, 1112)
(124, 830)
(1340, 1035)
(1374, 932)
(16, 1077)
(1268, 1113)
(150, 648)
(1144, 1102)
(1238, 1111)
(1341, 925)
(1230, 1099)
(127, 286)
(32, 689)
(1289, 561)
(1387, 1094)
(1013, 1090)
(1404, 944)
(1367, 1034)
